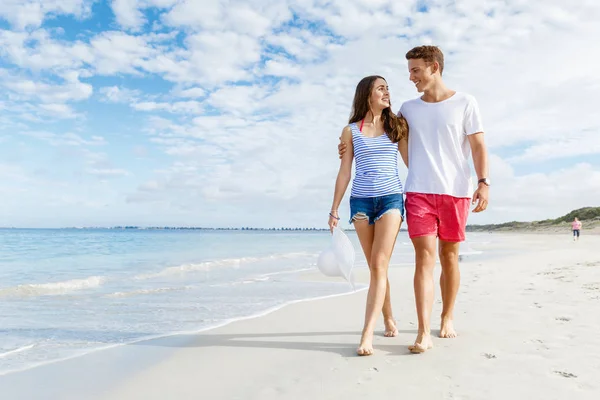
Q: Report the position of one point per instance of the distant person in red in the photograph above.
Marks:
(576, 228)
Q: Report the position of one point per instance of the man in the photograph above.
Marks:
(444, 127)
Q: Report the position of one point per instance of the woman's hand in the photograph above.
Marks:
(334, 219)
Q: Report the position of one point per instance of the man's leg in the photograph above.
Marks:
(453, 221)
(449, 284)
(424, 290)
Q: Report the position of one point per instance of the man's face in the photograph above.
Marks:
(421, 74)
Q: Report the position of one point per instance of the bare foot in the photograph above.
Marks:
(447, 329)
(422, 343)
(366, 345)
(390, 328)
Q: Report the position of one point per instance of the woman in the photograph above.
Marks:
(576, 228)
(373, 137)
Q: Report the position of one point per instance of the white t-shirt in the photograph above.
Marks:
(438, 147)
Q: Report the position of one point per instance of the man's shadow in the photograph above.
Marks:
(272, 341)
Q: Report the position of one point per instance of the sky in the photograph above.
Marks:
(227, 113)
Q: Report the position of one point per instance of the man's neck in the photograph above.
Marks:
(439, 92)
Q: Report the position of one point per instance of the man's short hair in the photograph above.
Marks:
(428, 53)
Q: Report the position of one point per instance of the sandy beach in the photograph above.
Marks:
(527, 321)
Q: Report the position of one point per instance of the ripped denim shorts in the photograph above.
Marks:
(373, 208)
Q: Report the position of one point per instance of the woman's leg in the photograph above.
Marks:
(388, 316)
(384, 237)
(365, 235)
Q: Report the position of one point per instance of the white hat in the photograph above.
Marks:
(338, 258)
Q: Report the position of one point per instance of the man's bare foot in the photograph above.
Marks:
(390, 328)
(366, 345)
(447, 329)
(422, 343)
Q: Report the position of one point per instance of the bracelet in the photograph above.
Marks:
(334, 217)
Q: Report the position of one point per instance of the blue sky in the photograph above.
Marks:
(227, 113)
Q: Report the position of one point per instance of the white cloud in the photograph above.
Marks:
(117, 52)
(537, 196)
(576, 144)
(107, 173)
(253, 95)
(30, 13)
(115, 94)
(129, 13)
(238, 100)
(283, 68)
(65, 139)
(185, 107)
(191, 93)
(252, 17)
(223, 56)
(58, 110)
(37, 50)
(13, 172)
(72, 90)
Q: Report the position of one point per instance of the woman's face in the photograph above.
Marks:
(380, 95)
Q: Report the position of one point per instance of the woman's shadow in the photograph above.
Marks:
(313, 341)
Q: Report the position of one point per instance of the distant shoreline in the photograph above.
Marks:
(171, 228)
(167, 228)
(509, 227)
(180, 228)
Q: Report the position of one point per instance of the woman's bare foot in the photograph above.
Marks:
(366, 345)
(390, 328)
(422, 343)
(447, 329)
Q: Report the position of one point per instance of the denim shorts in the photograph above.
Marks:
(374, 208)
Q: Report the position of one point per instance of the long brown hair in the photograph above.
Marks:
(395, 127)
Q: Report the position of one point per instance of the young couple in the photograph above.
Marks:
(434, 135)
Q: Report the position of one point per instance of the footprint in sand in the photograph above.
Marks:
(542, 345)
(592, 264)
(367, 377)
(565, 374)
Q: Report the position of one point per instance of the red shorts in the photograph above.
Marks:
(437, 215)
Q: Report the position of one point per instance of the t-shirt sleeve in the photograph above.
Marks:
(399, 113)
(472, 123)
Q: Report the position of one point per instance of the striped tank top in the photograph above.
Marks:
(376, 165)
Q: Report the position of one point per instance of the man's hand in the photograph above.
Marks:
(341, 148)
(481, 197)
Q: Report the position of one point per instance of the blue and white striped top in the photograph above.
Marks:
(376, 165)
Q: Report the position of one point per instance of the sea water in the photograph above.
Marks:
(67, 292)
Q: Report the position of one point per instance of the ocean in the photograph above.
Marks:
(67, 292)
